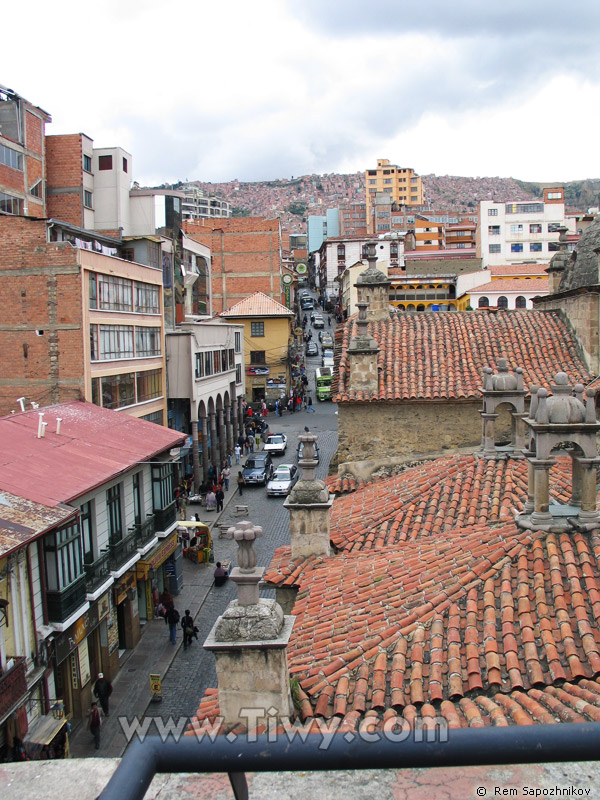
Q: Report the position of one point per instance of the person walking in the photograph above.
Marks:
(95, 723)
(257, 439)
(220, 496)
(251, 441)
(172, 620)
(103, 690)
(211, 501)
(309, 405)
(226, 475)
(187, 623)
(241, 482)
(238, 453)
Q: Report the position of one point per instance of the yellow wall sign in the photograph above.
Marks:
(155, 684)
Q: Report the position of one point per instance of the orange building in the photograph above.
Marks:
(403, 185)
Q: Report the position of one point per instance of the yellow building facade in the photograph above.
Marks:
(403, 185)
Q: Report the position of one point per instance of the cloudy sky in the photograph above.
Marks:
(274, 88)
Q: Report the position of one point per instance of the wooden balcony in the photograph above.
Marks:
(13, 685)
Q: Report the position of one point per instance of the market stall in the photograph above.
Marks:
(197, 541)
(48, 737)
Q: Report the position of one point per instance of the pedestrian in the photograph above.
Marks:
(241, 482)
(238, 453)
(257, 440)
(220, 575)
(187, 623)
(103, 690)
(251, 441)
(298, 403)
(95, 723)
(183, 506)
(172, 620)
(309, 405)
(220, 496)
(241, 440)
(277, 409)
(211, 501)
(229, 459)
(226, 475)
(265, 410)
(329, 321)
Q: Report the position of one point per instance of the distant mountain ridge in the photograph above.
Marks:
(292, 200)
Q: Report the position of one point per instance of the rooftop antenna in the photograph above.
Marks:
(58, 421)
(21, 402)
(41, 424)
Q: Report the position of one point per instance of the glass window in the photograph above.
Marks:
(524, 208)
(162, 486)
(87, 163)
(257, 357)
(10, 204)
(231, 359)
(520, 302)
(535, 228)
(146, 298)
(36, 189)
(113, 510)
(124, 164)
(553, 246)
(93, 290)
(257, 328)
(94, 354)
(492, 212)
(516, 247)
(87, 198)
(553, 227)
(495, 248)
(238, 373)
(535, 247)
(199, 368)
(147, 342)
(149, 385)
(63, 558)
(156, 417)
(104, 162)
(137, 497)
(502, 302)
(118, 391)
(96, 392)
(116, 341)
(238, 342)
(208, 363)
(87, 532)
(11, 158)
(114, 294)
(484, 302)
(516, 229)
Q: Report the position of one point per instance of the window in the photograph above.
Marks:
(520, 302)
(87, 198)
(554, 195)
(495, 248)
(10, 204)
(147, 342)
(148, 385)
(516, 247)
(199, 368)
(238, 373)
(114, 294)
(36, 189)
(216, 361)
(87, 163)
(257, 328)
(524, 208)
(87, 532)
(115, 341)
(231, 359)
(257, 357)
(96, 392)
(94, 352)
(124, 164)
(62, 551)
(113, 510)
(11, 158)
(137, 498)
(387, 180)
(535, 228)
(502, 302)
(554, 227)
(238, 342)
(516, 229)
(118, 391)
(156, 417)
(146, 298)
(162, 486)
(492, 212)
(104, 162)
(535, 247)
(553, 246)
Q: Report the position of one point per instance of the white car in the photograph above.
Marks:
(284, 478)
(276, 443)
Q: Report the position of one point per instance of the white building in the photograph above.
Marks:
(198, 203)
(511, 233)
(338, 252)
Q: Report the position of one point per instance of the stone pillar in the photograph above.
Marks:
(214, 455)
(250, 645)
(205, 454)
(518, 432)
(309, 504)
(228, 429)
(235, 415)
(541, 514)
(488, 443)
(576, 481)
(240, 416)
(588, 511)
(222, 438)
(362, 356)
(195, 456)
(530, 502)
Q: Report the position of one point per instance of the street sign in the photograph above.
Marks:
(301, 269)
(287, 279)
(155, 683)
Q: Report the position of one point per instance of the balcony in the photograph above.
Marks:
(144, 531)
(96, 573)
(13, 685)
(165, 517)
(62, 604)
(119, 552)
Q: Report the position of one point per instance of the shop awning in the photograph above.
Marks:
(44, 730)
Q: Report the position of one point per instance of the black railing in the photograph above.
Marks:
(343, 751)
(144, 531)
(97, 572)
(165, 517)
(121, 551)
(62, 604)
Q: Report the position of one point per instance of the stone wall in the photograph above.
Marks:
(380, 431)
(581, 309)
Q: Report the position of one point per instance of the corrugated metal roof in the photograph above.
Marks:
(22, 521)
(94, 446)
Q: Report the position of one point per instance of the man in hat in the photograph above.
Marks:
(103, 690)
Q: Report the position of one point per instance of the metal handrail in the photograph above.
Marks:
(463, 747)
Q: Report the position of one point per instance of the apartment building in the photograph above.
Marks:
(514, 232)
(402, 184)
(22, 155)
(322, 227)
(198, 203)
(353, 219)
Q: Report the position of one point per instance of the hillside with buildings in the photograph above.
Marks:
(293, 199)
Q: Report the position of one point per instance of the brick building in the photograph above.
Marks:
(246, 257)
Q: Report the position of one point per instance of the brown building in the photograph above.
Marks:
(246, 257)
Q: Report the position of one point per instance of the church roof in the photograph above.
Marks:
(582, 269)
(440, 356)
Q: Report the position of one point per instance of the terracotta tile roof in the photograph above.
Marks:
(258, 305)
(436, 496)
(437, 356)
(518, 269)
(513, 285)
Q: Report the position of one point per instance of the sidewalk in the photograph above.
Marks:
(154, 653)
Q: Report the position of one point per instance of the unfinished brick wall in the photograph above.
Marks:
(64, 172)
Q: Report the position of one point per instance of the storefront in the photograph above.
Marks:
(80, 655)
(125, 603)
(48, 736)
(153, 575)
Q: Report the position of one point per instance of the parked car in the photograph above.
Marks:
(258, 468)
(327, 358)
(319, 322)
(312, 349)
(326, 339)
(300, 450)
(276, 443)
(283, 480)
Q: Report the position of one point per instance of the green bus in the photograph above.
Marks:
(323, 380)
